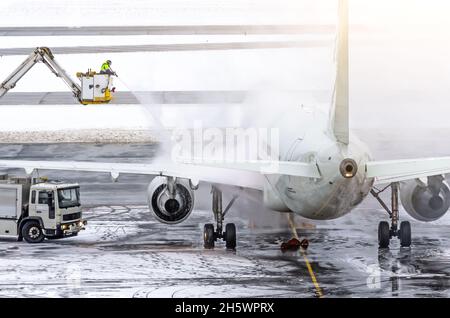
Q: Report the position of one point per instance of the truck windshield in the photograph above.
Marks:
(69, 197)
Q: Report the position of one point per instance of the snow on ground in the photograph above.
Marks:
(124, 252)
(105, 123)
(79, 136)
(70, 117)
(75, 123)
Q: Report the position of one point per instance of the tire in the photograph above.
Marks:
(32, 232)
(384, 234)
(230, 236)
(405, 234)
(208, 236)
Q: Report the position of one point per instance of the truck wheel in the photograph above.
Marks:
(32, 232)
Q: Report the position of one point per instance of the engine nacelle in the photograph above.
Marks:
(170, 206)
(425, 201)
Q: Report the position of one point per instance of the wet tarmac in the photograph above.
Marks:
(124, 252)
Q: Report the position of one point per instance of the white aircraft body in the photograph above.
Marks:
(323, 172)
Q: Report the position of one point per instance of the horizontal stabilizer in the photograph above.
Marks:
(400, 170)
(298, 169)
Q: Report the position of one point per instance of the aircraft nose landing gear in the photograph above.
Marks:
(386, 232)
(229, 235)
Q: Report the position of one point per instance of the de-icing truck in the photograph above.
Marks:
(34, 209)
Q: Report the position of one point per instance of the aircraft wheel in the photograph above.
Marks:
(384, 234)
(230, 236)
(405, 234)
(208, 236)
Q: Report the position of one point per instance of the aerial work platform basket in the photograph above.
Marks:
(96, 88)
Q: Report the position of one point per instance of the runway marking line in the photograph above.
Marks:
(308, 264)
(313, 277)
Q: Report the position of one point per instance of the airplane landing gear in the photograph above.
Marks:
(386, 232)
(229, 235)
(208, 236)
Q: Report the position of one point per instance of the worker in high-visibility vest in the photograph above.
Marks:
(106, 68)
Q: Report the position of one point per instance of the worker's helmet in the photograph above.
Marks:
(108, 62)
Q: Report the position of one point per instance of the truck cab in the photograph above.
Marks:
(34, 209)
(57, 207)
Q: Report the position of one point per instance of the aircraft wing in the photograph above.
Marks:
(400, 170)
(248, 174)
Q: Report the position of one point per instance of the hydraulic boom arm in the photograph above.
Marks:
(44, 55)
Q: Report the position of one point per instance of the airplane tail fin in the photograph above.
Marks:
(339, 113)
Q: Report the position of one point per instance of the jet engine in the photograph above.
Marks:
(171, 200)
(425, 201)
